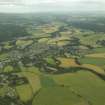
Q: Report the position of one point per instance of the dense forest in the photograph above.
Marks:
(11, 31)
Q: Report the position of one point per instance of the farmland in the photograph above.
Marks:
(52, 59)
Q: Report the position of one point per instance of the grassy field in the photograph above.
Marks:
(50, 60)
(89, 38)
(85, 83)
(71, 63)
(99, 50)
(67, 62)
(47, 81)
(60, 41)
(23, 42)
(96, 55)
(3, 56)
(57, 96)
(3, 90)
(94, 61)
(34, 81)
(8, 69)
(7, 46)
(27, 91)
(24, 92)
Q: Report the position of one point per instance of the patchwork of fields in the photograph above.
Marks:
(56, 61)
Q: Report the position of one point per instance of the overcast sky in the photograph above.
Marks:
(51, 5)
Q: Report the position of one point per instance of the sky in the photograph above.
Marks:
(22, 6)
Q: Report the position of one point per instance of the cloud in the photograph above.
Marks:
(10, 2)
(50, 5)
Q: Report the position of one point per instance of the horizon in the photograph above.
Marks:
(32, 6)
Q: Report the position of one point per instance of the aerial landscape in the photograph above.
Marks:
(52, 58)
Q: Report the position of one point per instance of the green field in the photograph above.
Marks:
(88, 85)
(54, 95)
(94, 61)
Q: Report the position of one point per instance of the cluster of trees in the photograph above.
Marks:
(101, 42)
(12, 79)
(11, 31)
(9, 101)
(89, 25)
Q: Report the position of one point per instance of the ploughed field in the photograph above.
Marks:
(55, 62)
